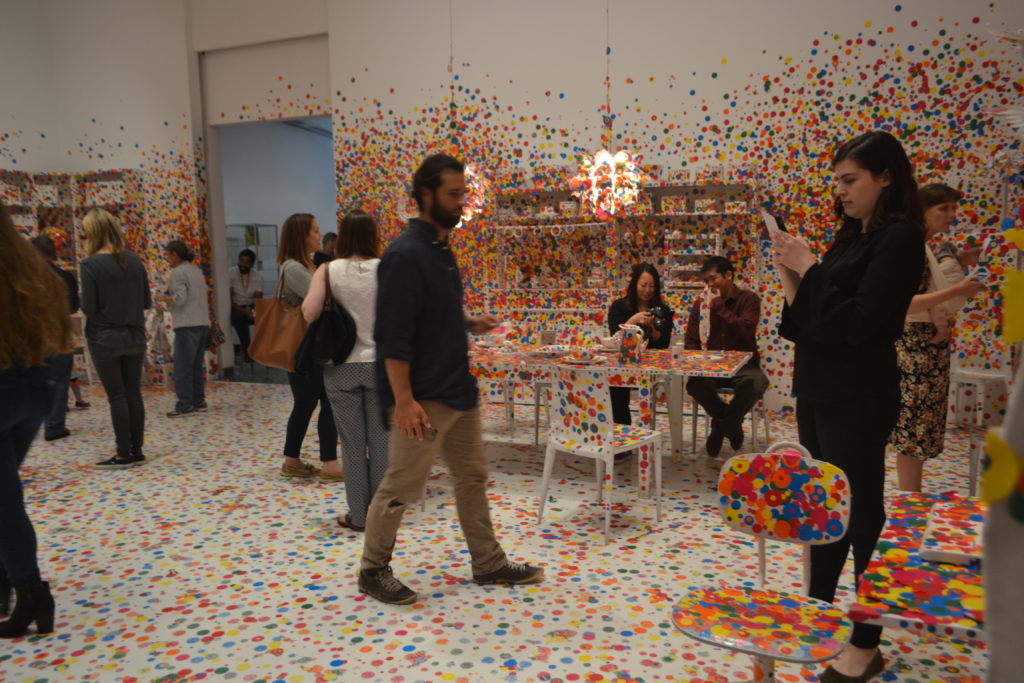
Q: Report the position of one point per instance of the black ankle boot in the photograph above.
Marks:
(30, 605)
(5, 593)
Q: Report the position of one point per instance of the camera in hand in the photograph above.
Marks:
(659, 313)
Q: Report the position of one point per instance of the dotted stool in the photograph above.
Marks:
(977, 381)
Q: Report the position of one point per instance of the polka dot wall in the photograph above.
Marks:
(933, 86)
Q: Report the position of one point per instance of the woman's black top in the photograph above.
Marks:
(849, 311)
(620, 311)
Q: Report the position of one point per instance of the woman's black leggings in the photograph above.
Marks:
(852, 435)
(307, 391)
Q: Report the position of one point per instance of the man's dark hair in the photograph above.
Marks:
(44, 245)
(428, 175)
(719, 264)
(248, 252)
(178, 247)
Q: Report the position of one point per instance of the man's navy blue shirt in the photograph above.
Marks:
(420, 319)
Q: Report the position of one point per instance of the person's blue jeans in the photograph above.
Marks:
(189, 381)
(60, 371)
(25, 398)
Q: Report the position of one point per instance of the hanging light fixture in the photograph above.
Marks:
(476, 196)
(607, 183)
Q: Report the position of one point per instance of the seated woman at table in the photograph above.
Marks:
(642, 306)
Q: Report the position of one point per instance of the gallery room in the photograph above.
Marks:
(467, 340)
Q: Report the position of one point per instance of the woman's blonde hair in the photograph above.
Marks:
(34, 319)
(102, 231)
(293, 239)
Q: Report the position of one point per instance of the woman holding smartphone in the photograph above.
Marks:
(845, 314)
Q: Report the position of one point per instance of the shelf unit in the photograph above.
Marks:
(553, 261)
(56, 203)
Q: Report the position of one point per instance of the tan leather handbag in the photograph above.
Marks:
(279, 331)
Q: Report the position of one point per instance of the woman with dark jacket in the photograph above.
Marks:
(644, 307)
(35, 326)
(845, 314)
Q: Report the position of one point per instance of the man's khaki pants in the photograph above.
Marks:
(460, 441)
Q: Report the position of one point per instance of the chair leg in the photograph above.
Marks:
(608, 483)
(510, 408)
(764, 670)
(549, 463)
(767, 427)
(693, 424)
(536, 416)
(657, 479)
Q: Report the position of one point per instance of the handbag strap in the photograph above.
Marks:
(328, 294)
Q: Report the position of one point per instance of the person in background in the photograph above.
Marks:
(33, 301)
(115, 293)
(326, 251)
(734, 314)
(428, 391)
(352, 385)
(246, 286)
(61, 364)
(923, 350)
(643, 306)
(845, 314)
(76, 389)
(300, 237)
(186, 299)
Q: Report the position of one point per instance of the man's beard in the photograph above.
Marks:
(443, 218)
(244, 270)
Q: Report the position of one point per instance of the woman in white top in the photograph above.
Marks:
(923, 350)
(352, 386)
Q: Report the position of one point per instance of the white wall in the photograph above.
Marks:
(218, 24)
(121, 83)
(28, 101)
(272, 170)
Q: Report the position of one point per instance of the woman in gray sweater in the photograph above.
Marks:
(300, 237)
(115, 291)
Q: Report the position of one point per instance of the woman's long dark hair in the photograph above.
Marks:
(357, 236)
(293, 239)
(879, 152)
(638, 270)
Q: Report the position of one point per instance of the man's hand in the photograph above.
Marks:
(482, 324)
(411, 419)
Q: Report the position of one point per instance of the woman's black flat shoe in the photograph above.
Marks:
(347, 523)
(875, 667)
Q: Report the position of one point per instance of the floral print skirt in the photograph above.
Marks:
(924, 390)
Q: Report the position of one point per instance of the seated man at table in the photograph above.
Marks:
(733, 315)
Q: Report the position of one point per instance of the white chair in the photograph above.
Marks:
(581, 425)
(787, 496)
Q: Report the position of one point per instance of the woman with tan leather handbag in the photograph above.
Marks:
(300, 237)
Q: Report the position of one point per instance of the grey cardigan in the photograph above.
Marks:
(296, 279)
(188, 289)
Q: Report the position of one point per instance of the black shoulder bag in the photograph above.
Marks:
(330, 337)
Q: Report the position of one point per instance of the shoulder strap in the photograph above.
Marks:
(328, 294)
(280, 281)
